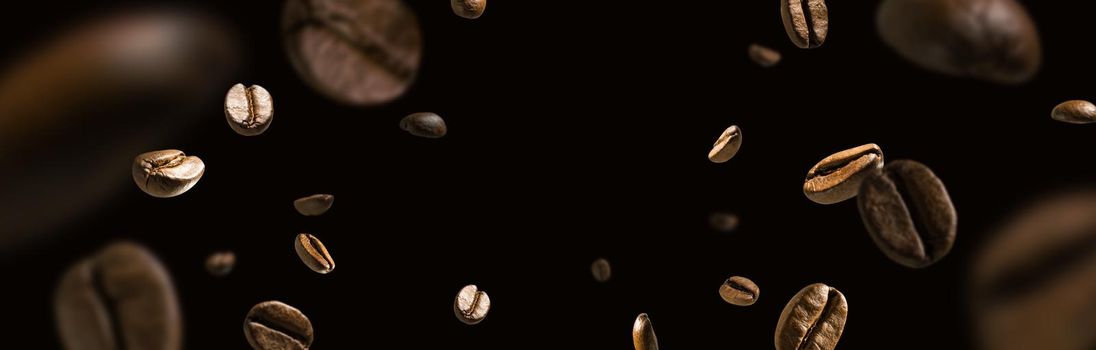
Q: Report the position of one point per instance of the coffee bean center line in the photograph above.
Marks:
(812, 38)
(252, 115)
(739, 287)
(110, 306)
(365, 47)
(1022, 280)
(472, 307)
(277, 328)
(913, 208)
(808, 337)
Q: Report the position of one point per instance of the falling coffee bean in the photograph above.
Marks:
(993, 40)
(763, 56)
(471, 305)
(428, 125)
(601, 270)
(273, 325)
(723, 222)
(362, 53)
(739, 291)
(837, 178)
(1075, 112)
(120, 298)
(249, 110)
(643, 334)
(805, 21)
(313, 254)
(470, 9)
(314, 205)
(166, 173)
(727, 145)
(813, 319)
(219, 264)
(908, 213)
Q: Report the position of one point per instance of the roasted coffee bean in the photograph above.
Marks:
(313, 254)
(723, 222)
(362, 53)
(428, 125)
(805, 21)
(993, 40)
(471, 305)
(470, 9)
(813, 319)
(1075, 112)
(601, 270)
(739, 291)
(219, 264)
(1033, 283)
(763, 56)
(643, 334)
(166, 173)
(273, 325)
(120, 298)
(908, 213)
(249, 110)
(837, 178)
(727, 145)
(314, 205)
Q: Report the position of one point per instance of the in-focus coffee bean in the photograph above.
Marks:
(723, 221)
(273, 325)
(813, 319)
(601, 270)
(727, 145)
(313, 253)
(993, 40)
(907, 212)
(249, 110)
(220, 264)
(470, 9)
(1074, 112)
(362, 53)
(806, 21)
(314, 205)
(837, 178)
(428, 125)
(166, 173)
(643, 334)
(739, 291)
(471, 305)
(120, 298)
(763, 56)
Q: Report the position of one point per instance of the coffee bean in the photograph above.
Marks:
(219, 264)
(763, 56)
(273, 325)
(908, 213)
(739, 291)
(993, 40)
(1075, 112)
(727, 145)
(837, 178)
(428, 125)
(643, 334)
(723, 222)
(167, 173)
(471, 305)
(249, 110)
(314, 205)
(363, 53)
(813, 319)
(1033, 283)
(120, 298)
(470, 9)
(805, 21)
(601, 270)
(313, 254)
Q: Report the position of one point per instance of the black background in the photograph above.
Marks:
(579, 130)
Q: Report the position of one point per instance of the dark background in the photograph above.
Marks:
(579, 130)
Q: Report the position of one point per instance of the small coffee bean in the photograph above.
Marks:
(273, 325)
(166, 173)
(643, 334)
(601, 270)
(249, 110)
(813, 319)
(471, 305)
(805, 21)
(313, 254)
(837, 178)
(739, 291)
(428, 125)
(1075, 112)
(470, 9)
(314, 205)
(219, 264)
(908, 213)
(727, 145)
(723, 222)
(763, 56)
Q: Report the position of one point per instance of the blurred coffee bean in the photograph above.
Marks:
(428, 125)
(313, 253)
(73, 111)
(1074, 112)
(806, 21)
(739, 291)
(273, 325)
(993, 40)
(837, 177)
(723, 222)
(120, 298)
(471, 305)
(314, 205)
(727, 145)
(763, 56)
(362, 53)
(219, 264)
(601, 270)
(470, 9)
(249, 110)
(813, 319)
(1034, 281)
(908, 213)
(643, 334)
(166, 173)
